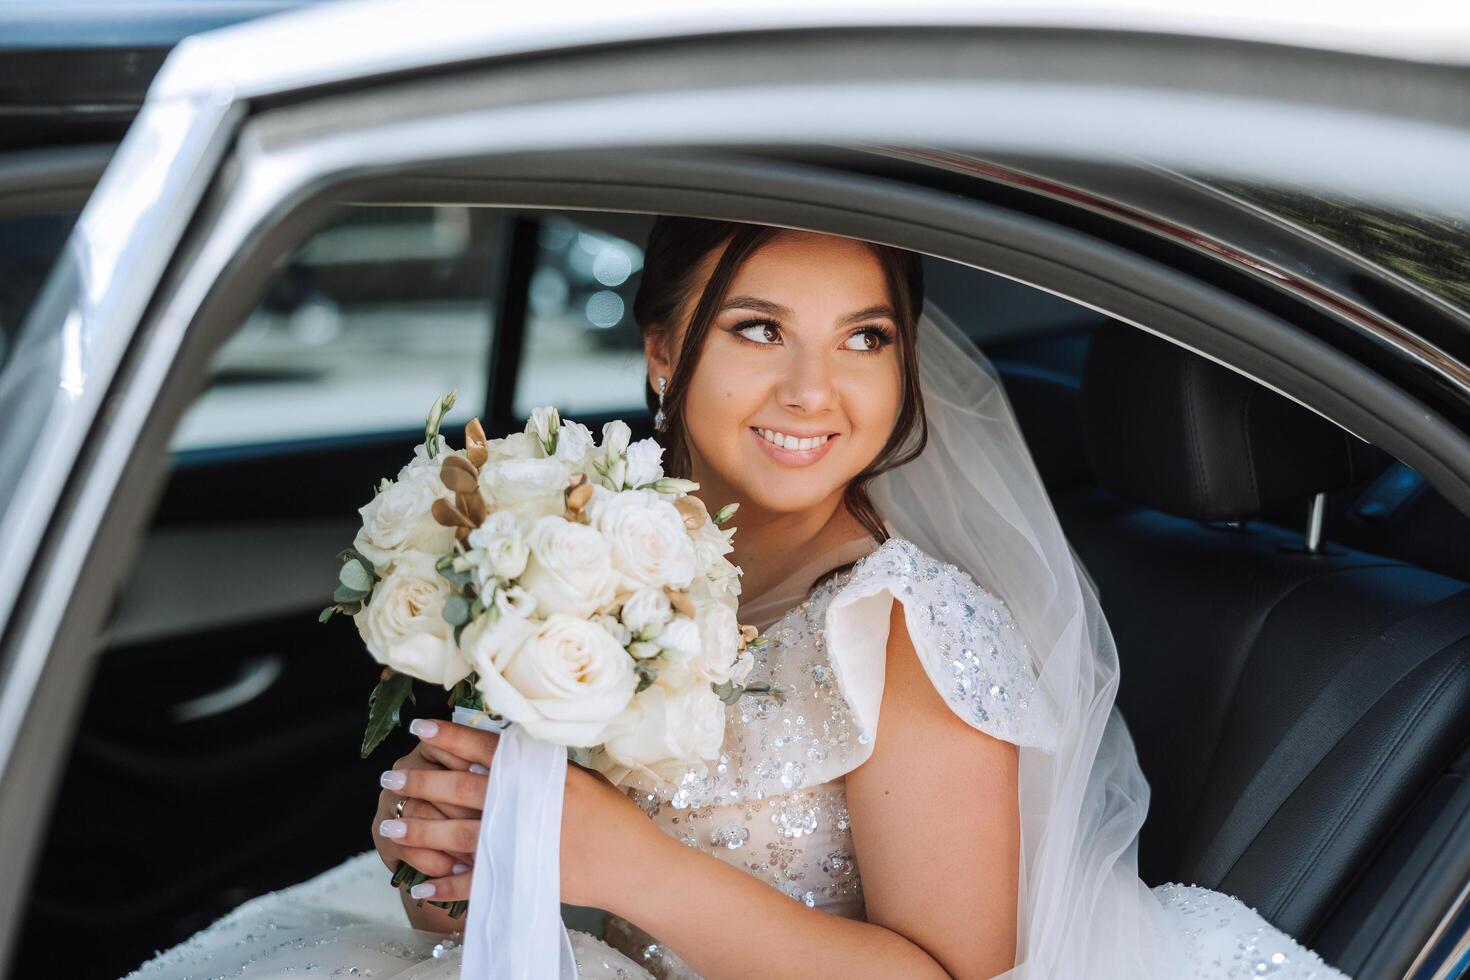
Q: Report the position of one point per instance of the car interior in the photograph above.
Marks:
(1294, 761)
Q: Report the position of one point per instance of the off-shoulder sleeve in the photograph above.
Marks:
(967, 641)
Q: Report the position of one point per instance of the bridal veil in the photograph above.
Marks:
(974, 498)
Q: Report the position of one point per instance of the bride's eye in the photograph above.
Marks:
(878, 338)
(765, 326)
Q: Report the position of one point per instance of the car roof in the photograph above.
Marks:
(349, 39)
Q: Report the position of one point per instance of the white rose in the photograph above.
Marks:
(517, 445)
(526, 487)
(573, 443)
(570, 569)
(644, 463)
(564, 683)
(421, 458)
(398, 519)
(662, 732)
(649, 544)
(680, 662)
(719, 634)
(403, 624)
(505, 551)
(646, 612)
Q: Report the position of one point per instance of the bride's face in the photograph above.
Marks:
(799, 382)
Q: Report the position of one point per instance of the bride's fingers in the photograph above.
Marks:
(440, 835)
(442, 787)
(468, 743)
(452, 888)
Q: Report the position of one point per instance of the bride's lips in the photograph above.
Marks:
(792, 457)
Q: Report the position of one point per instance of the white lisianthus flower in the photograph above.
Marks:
(543, 424)
(573, 443)
(663, 731)
(645, 459)
(646, 612)
(563, 682)
(570, 569)
(615, 436)
(403, 624)
(398, 520)
(615, 627)
(504, 550)
(421, 458)
(515, 601)
(649, 544)
(526, 487)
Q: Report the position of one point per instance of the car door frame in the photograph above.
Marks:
(240, 187)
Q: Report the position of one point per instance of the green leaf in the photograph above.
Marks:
(646, 675)
(354, 576)
(459, 579)
(456, 610)
(327, 614)
(384, 705)
(437, 411)
(467, 694)
(346, 593)
(725, 513)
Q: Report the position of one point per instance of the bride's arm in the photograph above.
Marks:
(936, 826)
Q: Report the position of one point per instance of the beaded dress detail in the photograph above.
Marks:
(774, 805)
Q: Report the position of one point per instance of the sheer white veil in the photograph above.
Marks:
(974, 498)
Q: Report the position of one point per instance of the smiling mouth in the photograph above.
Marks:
(792, 443)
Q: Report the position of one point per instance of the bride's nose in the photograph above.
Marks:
(808, 385)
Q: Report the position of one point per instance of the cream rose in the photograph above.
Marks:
(563, 682)
(526, 487)
(663, 731)
(570, 568)
(649, 544)
(719, 635)
(421, 458)
(403, 623)
(398, 520)
(646, 611)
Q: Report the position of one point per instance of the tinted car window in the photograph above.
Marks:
(371, 320)
(582, 348)
(28, 249)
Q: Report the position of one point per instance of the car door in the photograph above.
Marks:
(235, 165)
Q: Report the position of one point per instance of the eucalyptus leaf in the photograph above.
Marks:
(345, 593)
(354, 576)
(384, 707)
(327, 613)
(456, 610)
(646, 675)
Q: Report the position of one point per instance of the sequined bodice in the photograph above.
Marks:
(775, 804)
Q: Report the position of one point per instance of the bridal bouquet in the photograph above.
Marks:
(556, 585)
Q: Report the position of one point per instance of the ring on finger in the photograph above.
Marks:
(398, 807)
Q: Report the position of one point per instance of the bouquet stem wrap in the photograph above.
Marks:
(513, 928)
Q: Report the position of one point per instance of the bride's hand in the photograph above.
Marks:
(603, 832)
(430, 861)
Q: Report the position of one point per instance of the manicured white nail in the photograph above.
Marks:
(423, 728)
(392, 828)
(476, 767)
(393, 779)
(459, 869)
(422, 890)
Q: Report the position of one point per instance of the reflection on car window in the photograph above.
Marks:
(582, 350)
(28, 249)
(363, 328)
(1431, 250)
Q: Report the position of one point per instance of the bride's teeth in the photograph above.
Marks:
(791, 442)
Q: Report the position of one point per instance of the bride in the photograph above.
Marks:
(939, 784)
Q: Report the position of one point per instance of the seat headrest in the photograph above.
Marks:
(1172, 430)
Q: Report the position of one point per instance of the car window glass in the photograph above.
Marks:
(28, 248)
(582, 349)
(370, 321)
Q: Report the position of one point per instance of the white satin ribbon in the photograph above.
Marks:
(513, 928)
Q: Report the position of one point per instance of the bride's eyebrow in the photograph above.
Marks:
(777, 310)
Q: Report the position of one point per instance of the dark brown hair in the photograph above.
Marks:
(671, 260)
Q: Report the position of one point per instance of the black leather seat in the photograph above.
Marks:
(1228, 632)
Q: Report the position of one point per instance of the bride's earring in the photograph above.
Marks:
(659, 419)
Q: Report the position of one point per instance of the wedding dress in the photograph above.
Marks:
(1011, 635)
